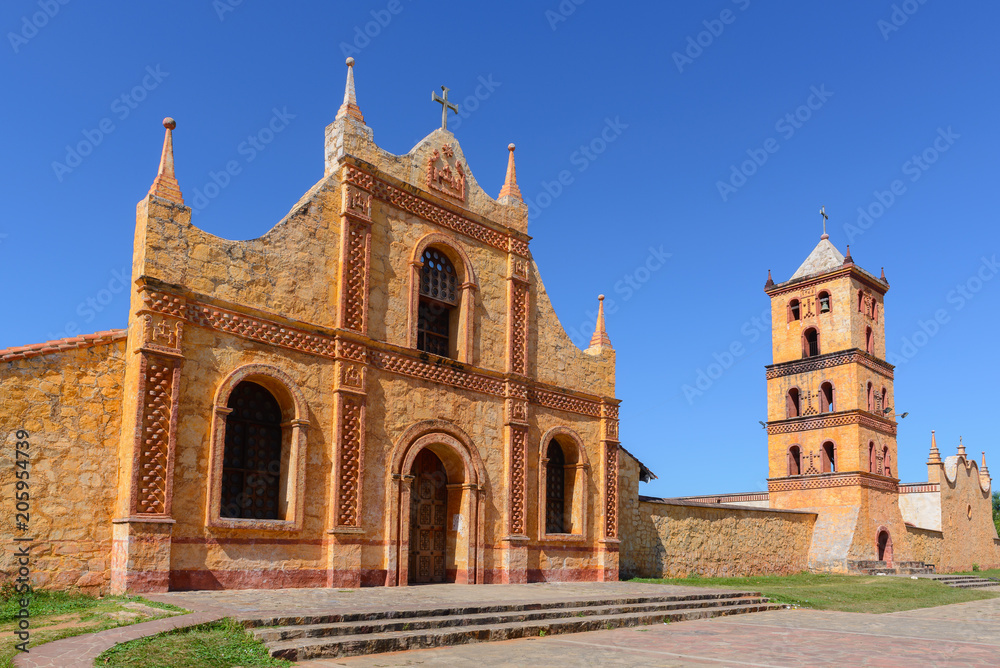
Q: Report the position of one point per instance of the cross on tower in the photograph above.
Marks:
(822, 212)
(445, 106)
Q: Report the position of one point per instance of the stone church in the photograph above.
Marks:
(375, 392)
(378, 392)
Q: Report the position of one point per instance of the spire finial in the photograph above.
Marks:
(770, 281)
(882, 277)
(600, 337)
(961, 447)
(847, 258)
(935, 457)
(510, 188)
(350, 106)
(822, 212)
(165, 184)
(983, 471)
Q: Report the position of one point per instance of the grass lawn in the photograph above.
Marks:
(220, 644)
(56, 615)
(848, 593)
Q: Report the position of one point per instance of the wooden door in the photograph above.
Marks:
(428, 516)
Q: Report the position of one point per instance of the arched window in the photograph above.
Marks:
(793, 310)
(883, 401)
(794, 460)
(886, 466)
(871, 456)
(870, 398)
(829, 458)
(792, 407)
(555, 489)
(861, 301)
(824, 302)
(810, 342)
(251, 460)
(438, 299)
(826, 398)
(874, 310)
(257, 457)
(869, 341)
(442, 298)
(562, 488)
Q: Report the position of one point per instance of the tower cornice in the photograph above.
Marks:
(830, 420)
(828, 360)
(852, 270)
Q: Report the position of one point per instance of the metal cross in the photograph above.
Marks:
(822, 212)
(445, 106)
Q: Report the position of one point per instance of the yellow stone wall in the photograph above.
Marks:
(966, 518)
(69, 402)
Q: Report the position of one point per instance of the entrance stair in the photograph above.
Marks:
(901, 568)
(966, 581)
(298, 638)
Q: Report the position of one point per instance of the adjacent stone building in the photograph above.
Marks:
(375, 392)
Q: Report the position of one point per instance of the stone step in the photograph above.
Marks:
(977, 584)
(379, 614)
(374, 643)
(393, 624)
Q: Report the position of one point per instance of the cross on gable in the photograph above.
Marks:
(445, 106)
(822, 212)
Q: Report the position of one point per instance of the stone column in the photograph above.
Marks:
(346, 524)
(515, 552)
(609, 544)
(140, 555)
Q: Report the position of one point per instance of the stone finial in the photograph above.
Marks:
(510, 189)
(770, 281)
(961, 448)
(983, 471)
(350, 106)
(883, 278)
(847, 257)
(165, 184)
(935, 456)
(600, 337)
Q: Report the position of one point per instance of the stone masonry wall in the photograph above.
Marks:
(672, 539)
(69, 402)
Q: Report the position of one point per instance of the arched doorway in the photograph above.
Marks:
(885, 546)
(428, 519)
(435, 465)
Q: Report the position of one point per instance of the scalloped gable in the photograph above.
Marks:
(436, 165)
(824, 257)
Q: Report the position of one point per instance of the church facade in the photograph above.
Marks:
(375, 392)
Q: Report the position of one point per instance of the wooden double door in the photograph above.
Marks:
(428, 519)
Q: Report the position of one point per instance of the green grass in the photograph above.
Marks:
(221, 644)
(57, 614)
(847, 593)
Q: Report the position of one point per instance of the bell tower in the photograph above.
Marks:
(831, 424)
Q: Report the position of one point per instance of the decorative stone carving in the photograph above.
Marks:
(445, 173)
(354, 257)
(357, 202)
(349, 460)
(518, 440)
(420, 207)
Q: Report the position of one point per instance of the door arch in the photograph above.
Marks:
(884, 544)
(464, 482)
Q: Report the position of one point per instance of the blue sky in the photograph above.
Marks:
(653, 109)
